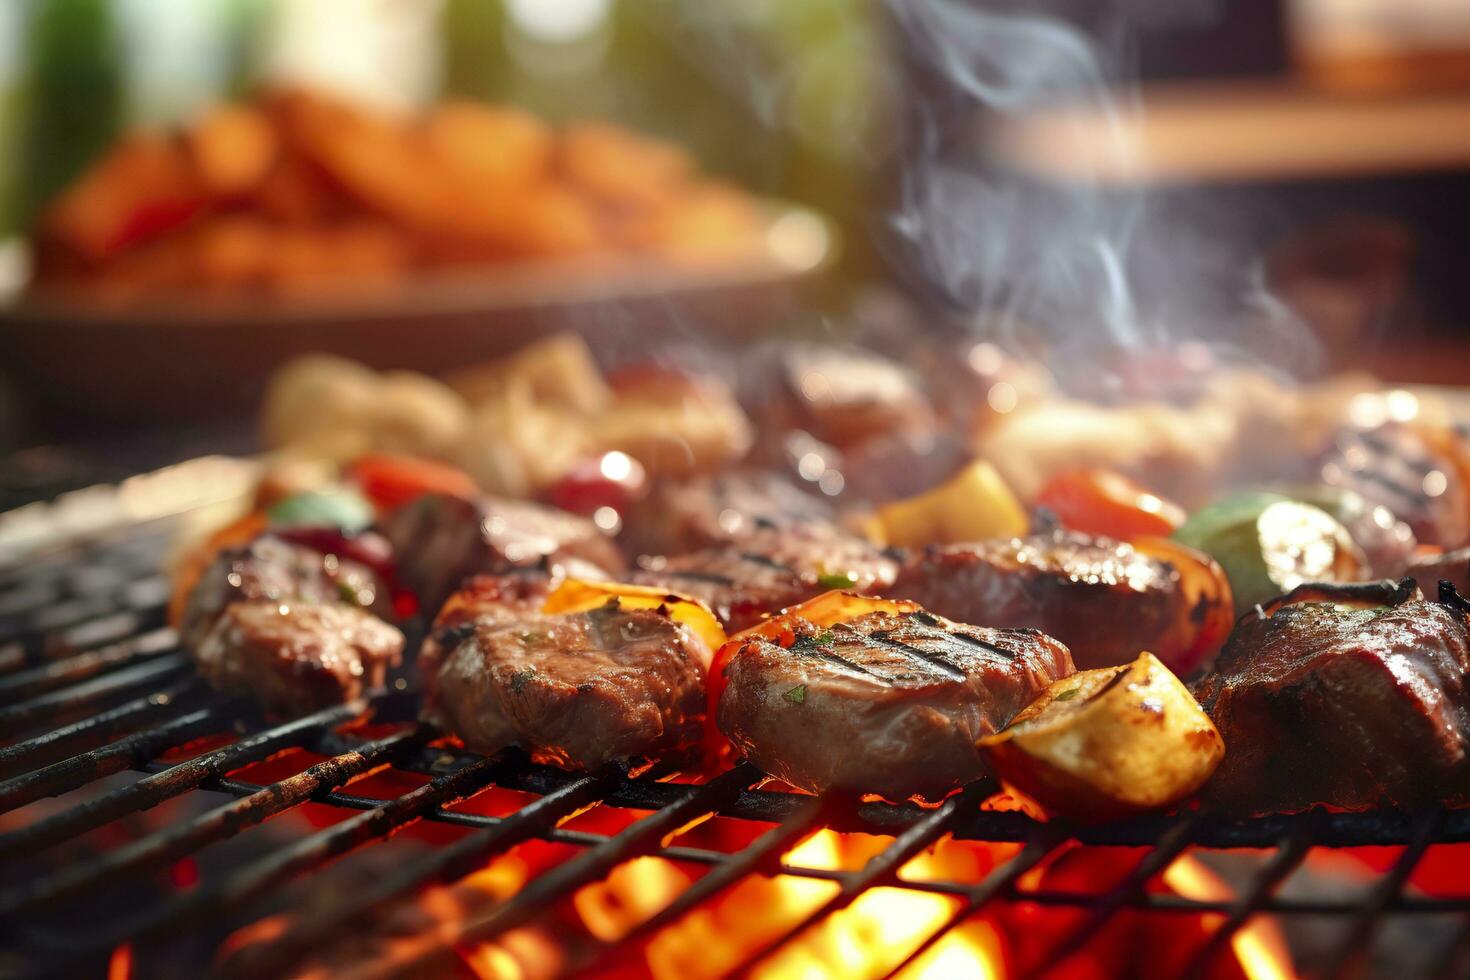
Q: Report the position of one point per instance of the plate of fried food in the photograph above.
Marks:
(294, 222)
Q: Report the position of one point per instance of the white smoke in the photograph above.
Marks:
(1086, 264)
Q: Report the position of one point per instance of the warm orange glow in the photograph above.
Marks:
(868, 938)
(1259, 946)
(120, 964)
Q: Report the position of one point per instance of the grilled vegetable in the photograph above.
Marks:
(579, 595)
(392, 481)
(340, 508)
(1269, 544)
(1207, 595)
(1107, 743)
(973, 505)
(1104, 502)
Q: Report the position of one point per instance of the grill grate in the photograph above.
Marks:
(93, 685)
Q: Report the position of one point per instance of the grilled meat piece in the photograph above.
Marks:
(484, 599)
(1105, 600)
(1394, 465)
(1343, 703)
(296, 657)
(840, 395)
(769, 571)
(886, 704)
(712, 510)
(291, 626)
(442, 541)
(577, 690)
(274, 569)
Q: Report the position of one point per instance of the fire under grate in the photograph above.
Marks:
(93, 684)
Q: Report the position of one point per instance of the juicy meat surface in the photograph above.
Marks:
(290, 626)
(272, 569)
(1106, 601)
(883, 704)
(442, 541)
(296, 657)
(484, 599)
(769, 571)
(1320, 703)
(576, 690)
(711, 510)
(840, 395)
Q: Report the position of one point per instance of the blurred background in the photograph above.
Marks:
(1284, 179)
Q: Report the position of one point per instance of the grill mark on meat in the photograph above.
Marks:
(887, 639)
(929, 619)
(814, 650)
(1388, 483)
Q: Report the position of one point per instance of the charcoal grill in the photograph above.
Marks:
(93, 685)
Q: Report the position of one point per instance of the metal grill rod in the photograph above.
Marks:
(1000, 880)
(751, 859)
(1170, 846)
(1385, 892)
(126, 753)
(86, 697)
(173, 781)
(59, 673)
(168, 845)
(58, 743)
(256, 879)
(1288, 857)
(881, 867)
(444, 864)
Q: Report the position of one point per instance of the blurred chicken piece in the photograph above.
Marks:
(234, 148)
(619, 169)
(143, 187)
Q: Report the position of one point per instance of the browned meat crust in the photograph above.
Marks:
(1322, 703)
(442, 541)
(289, 626)
(840, 395)
(280, 571)
(712, 510)
(768, 571)
(884, 704)
(577, 690)
(295, 657)
(485, 599)
(1106, 601)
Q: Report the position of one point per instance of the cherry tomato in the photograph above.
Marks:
(392, 481)
(613, 480)
(1108, 503)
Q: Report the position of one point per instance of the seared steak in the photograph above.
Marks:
(442, 541)
(1106, 601)
(484, 599)
(883, 704)
(273, 569)
(769, 571)
(1329, 702)
(577, 690)
(290, 626)
(699, 513)
(295, 657)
